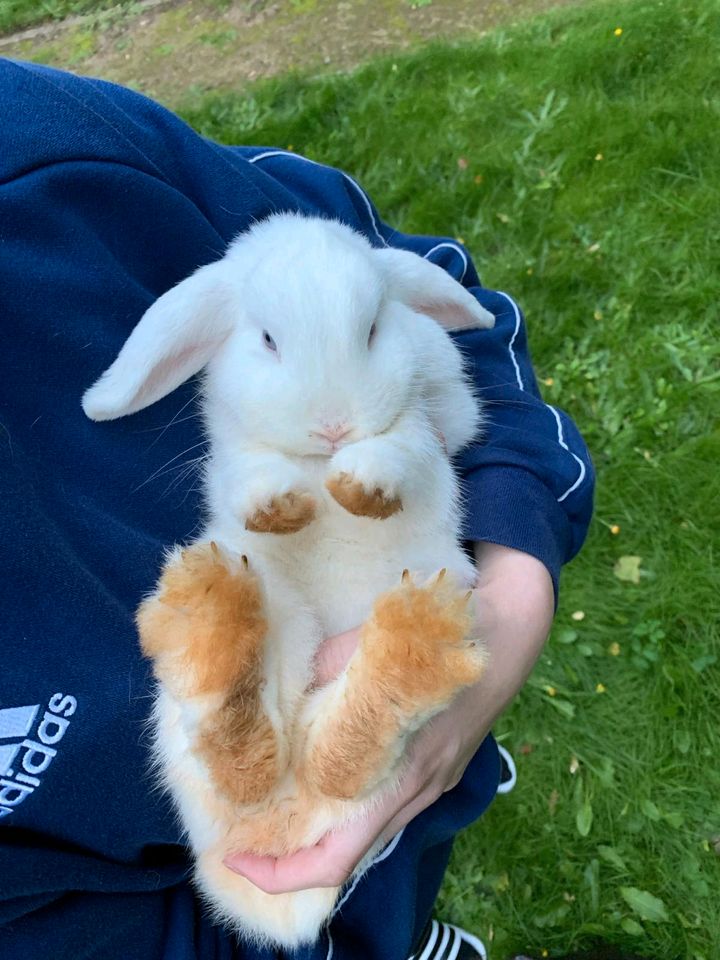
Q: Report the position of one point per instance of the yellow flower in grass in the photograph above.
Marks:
(618, 31)
(601, 688)
(550, 691)
(615, 529)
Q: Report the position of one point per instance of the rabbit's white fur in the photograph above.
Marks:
(358, 348)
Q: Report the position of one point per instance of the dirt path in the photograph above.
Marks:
(167, 49)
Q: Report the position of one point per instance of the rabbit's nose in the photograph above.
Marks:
(333, 433)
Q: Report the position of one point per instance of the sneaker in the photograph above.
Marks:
(444, 941)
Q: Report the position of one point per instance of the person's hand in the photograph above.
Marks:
(514, 607)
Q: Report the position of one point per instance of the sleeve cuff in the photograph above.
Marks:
(512, 507)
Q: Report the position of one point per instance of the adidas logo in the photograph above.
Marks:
(22, 763)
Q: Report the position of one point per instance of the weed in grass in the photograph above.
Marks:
(219, 38)
(303, 6)
(80, 45)
(163, 49)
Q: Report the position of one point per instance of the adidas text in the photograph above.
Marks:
(26, 758)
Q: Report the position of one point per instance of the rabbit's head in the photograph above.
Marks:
(309, 337)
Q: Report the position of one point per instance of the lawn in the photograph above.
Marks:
(578, 157)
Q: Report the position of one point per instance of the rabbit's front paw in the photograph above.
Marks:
(284, 513)
(357, 499)
(361, 482)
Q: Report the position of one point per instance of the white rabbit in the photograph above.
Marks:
(332, 399)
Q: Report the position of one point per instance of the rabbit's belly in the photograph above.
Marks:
(341, 576)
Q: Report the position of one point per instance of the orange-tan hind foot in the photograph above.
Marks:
(415, 654)
(204, 629)
(356, 499)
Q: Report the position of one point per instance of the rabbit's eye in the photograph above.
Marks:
(373, 330)
(269, 342)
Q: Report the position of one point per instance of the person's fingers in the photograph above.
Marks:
(308, 868)
(329, 863)
(333, 656)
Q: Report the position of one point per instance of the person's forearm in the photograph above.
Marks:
(514, 603)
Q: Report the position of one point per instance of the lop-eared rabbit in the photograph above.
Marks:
(333, 399)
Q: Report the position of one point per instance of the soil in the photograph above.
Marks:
(169, 49)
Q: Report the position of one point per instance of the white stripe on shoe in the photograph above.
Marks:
(456, 944)
(430, 945)
(445, 941)
(470, 939)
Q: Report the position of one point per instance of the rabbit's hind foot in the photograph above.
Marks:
(416, 652)
(204, 628)
(418, 643)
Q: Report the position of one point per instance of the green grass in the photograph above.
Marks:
(18, 14)
(589, 186)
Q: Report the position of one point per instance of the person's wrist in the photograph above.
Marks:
(514, 607)
(512, 587)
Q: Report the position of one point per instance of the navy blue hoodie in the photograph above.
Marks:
(107, 200)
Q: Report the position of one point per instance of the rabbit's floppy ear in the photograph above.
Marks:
(174, 339)
(427, 288)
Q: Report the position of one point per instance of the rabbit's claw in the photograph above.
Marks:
(354, 497)
(285, 513)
